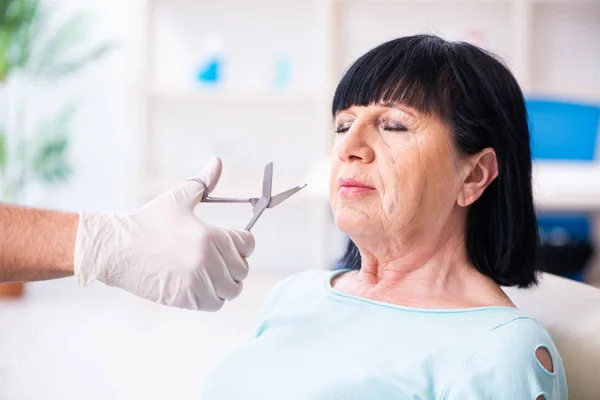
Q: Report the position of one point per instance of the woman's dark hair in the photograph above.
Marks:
(481, 102)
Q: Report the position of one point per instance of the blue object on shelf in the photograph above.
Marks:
(573, 226)
(283, 74)
(210, 72)
(562, 130)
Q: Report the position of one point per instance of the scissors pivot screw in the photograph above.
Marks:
(259, 204)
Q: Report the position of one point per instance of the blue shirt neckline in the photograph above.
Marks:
(356, 299)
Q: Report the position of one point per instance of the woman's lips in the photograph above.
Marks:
(352, 187)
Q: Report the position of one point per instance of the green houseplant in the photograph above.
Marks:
(35, 49)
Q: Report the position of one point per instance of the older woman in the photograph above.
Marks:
(431, 180)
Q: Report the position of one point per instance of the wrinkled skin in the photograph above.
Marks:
(409, 228)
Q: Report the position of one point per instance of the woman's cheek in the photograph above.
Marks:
(391, 182)
(407, 188)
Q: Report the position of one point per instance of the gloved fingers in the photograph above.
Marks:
(244, 244)
(243, 241)
(225, 286)
(234, 292)
(211, 174)
(205, 291)
(224, 258)
(238, 267)
(195, 188)
(213, 305)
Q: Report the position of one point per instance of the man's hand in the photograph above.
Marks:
(163, 252)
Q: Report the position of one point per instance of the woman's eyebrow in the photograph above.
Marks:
(404, 108)
(341, 112)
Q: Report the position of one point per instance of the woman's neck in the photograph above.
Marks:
(421, 270)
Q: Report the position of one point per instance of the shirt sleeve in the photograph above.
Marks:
(504, 366)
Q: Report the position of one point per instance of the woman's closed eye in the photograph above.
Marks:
(343, 127)
(393, 126)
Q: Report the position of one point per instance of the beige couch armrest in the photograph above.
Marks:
(571, 312)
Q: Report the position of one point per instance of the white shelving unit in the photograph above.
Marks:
(567, 186)
(229, 97)
(552, 46)
(246, 119)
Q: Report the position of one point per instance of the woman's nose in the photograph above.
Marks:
(354, 146)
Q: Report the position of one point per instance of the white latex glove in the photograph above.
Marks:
(163, 252)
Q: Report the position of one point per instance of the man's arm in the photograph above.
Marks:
(161, 251)
(36, 244)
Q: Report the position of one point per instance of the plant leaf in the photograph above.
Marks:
(53, 148)
(27, 42)
(49, 162)
(62, 53)
(59, 172)
(17, 27)
(59, 42)
(4, 49)
(64, 68)
(25, 37)
(14, 14)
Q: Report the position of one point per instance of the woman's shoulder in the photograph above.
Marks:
(518, 352)
(512, 338)
(298, 286)
(312, 278)
(518, 334)
(292, 294)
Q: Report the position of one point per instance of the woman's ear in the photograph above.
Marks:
(480, 170)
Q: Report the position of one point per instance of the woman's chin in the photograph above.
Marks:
(353, 225)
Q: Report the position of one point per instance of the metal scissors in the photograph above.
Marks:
(261, 203)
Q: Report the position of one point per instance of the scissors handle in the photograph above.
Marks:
(207, 199)
(226, 200)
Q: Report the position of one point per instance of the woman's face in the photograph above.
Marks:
(393, 169)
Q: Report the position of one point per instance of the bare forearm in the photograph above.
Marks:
(36, 244)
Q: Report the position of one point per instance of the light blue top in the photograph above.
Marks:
(316, 343)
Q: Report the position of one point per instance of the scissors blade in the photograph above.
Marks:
(259, 208)
(278, 199)
(267, 181)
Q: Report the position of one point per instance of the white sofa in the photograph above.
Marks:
(571, 312)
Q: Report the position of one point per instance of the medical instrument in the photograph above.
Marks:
(261, 203)
(158, 251)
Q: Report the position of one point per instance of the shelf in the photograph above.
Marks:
(227, 95)
(567, 186)
(589, 95)
(234, 2)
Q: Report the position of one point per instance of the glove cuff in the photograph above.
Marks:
(81, 276)
(89, 261)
